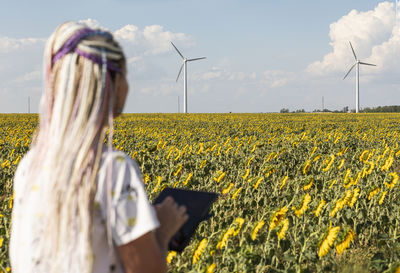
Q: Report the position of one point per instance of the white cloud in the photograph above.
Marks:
(150, 41)
(276, 78)
(214, 73)
(134, 59)
(268, 78)
(128, 33)
(387, 54)
(163, 87)
(373, 35)
(30, 76)
(22, 57)
(92, 23)
(8, 45)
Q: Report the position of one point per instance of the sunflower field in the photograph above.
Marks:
(297, 192)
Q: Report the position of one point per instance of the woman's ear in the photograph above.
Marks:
(121, 91)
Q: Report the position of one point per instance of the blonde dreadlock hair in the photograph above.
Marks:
(80, 66)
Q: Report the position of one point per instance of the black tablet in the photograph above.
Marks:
(197, 205)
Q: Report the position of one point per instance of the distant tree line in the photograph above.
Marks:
(382, 109)
(379, 109)
(286, 110)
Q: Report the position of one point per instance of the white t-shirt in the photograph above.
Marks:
(134, 215)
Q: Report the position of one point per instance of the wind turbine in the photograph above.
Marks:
(184, 65)
(357, 65)
(397, 14)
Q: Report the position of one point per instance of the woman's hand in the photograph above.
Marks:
(148, 252)
(171, 218)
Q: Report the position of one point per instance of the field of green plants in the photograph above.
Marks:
(298, 192)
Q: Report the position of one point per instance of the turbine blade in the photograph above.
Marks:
(180, 70)
(352, 49)
(350, 70)
(368, 64)
(177, 50)
(195, 59)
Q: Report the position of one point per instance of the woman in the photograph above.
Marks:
(79, 206)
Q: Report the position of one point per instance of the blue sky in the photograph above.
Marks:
(261, 55)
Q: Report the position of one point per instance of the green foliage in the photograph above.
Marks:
(257, 163)
(382, 109)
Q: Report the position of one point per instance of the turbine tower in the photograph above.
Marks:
(397, 13)
(357, 65)
(184, 66)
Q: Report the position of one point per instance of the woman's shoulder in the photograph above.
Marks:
(117, 157)
(120, 170)
(21, 175)
(23, 164)
(119, 161)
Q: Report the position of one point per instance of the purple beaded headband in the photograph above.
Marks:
(71, 45)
